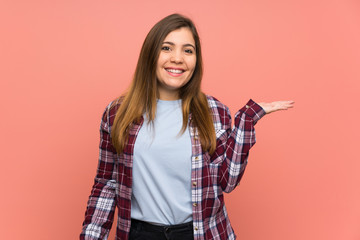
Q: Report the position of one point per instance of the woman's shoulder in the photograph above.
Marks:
(111, 110)
(219, 111)
(216, 105)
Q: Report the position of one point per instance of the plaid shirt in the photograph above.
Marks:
(211, 175)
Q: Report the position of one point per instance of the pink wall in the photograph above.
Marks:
(61, 62)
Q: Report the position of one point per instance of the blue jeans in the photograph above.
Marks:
(145, 231)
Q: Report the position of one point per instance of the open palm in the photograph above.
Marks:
(276, 106)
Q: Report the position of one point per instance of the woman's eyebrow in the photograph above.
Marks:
(185, 45)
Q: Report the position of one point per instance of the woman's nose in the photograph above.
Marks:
(176, 57)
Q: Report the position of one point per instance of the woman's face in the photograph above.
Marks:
(176, 63)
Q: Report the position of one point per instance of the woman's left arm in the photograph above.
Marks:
(233, 144)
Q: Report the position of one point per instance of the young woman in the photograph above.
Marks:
(167, 150)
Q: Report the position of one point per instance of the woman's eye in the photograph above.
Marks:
(189, 51)
(165, 48)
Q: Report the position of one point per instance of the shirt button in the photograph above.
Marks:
(196, 228)
(194, 183)
(196, 138)
(196, 158)
(247, 106)
(194, 204)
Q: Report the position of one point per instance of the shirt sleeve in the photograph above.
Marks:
(233, 144)
(100, 209)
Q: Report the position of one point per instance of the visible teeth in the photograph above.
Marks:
(174, 70)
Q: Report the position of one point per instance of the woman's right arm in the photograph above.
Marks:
(100, 209)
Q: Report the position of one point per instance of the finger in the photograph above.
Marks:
(286, 103)
(287, 106)
(283, 106)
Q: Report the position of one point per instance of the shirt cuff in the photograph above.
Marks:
(253, 110)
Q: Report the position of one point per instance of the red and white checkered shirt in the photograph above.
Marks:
(211, 175)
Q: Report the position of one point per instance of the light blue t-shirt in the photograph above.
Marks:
(161, 190)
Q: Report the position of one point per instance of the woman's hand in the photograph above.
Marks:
(276, 106)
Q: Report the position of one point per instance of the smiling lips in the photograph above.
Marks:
(175, 72)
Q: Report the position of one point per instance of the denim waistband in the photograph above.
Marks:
(156, 228)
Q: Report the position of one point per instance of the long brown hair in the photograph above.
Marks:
(142, 94)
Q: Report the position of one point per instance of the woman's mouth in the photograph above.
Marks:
(175, 71)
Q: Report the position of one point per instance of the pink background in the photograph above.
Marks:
(62, 62)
